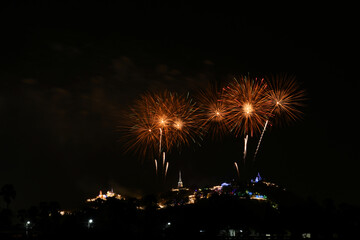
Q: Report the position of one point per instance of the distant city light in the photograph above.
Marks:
(258, 178)
(27, 227)
(192, 195)
(105, 196)
(90, 223)
(306, 235)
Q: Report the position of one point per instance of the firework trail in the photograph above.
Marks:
(237, 169)
(160, 141)
(164, 159)
(262, 134)
(286, 98)
(247, 107)
(166, 170)
(245, 146)
(156, 167)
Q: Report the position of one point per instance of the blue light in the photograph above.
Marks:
(225, 184)
(258, 178)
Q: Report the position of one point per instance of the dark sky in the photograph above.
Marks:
(69, 68)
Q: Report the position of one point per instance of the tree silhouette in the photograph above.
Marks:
(8, 193)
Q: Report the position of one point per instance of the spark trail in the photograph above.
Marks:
(245, 146)
(166, 170)
(164, 159)
(160, 141)
(262, 134)
(237, 169)
(156, 167)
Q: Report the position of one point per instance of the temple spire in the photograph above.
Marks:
(180, 183)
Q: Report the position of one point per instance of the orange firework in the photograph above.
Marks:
(247, 105)
(140, 131)
(212, 111)
(286, 98)
(183, 122)
(158, 122)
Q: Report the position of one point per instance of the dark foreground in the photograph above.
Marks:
(216, 217)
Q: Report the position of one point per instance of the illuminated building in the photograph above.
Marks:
(65, 212)
(180, 183)
(216, 188)
(105, 196)
(177, 196)
(257, 190)
(257, 179)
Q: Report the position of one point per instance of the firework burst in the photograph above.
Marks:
(181, 123)
(140, 131)
(286, 98)
(247, 105)
(212, 111)
(158, 122)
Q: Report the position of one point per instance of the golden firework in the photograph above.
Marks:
(286, 98)
(212, 111)
(157, 122)
(247, 105)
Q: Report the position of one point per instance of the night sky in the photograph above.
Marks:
(70, 68)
